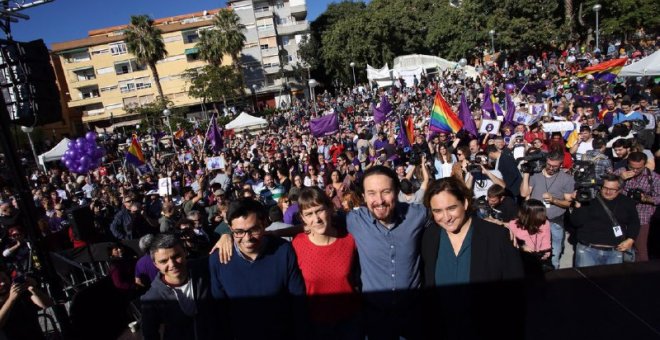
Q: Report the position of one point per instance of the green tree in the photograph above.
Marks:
(145, 42)
(213, 83)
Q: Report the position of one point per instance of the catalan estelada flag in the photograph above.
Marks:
(605, 71)
(134, 154)
(442, 117)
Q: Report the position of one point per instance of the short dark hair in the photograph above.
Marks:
(275, 214)
(495, 190)
(637, 157)
(243, 208)
(492, 148)
(612, 178)
(163, 241)
(556, 155)
(621, 143)
(453, 186)
(598, 143)
(312, 197)
(385, 171)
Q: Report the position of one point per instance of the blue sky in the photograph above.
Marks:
(63, 20)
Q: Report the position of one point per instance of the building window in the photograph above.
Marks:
(279, 4)
(128, 66)
(190, 37)
(86, 74)
(261, 8)
(108, 88)
(264, 47)
(76, 57)
(142, 83)
(89, 92)
(118, 48)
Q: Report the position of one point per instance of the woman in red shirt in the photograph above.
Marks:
(327, 258)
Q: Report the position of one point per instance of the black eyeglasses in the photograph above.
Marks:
(128, 201)
(239, 233)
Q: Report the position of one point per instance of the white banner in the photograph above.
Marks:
(558, 126)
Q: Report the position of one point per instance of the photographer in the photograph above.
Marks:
(482, 175)
(605, 227)
(555, 189)
(643, 186)
(501, 208)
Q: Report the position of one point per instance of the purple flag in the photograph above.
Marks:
(510, 109)
(324, 126)
(214, 136)
(487, 104)
(381, 113)
(402, 137)
(466, 117)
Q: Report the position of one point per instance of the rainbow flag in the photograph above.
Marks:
(605, 71)
(134, 154)
(442, 117)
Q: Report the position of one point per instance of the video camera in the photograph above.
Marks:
(636, 194)
(534, 163)
(586, 184)
(484, 209)
(475, 166)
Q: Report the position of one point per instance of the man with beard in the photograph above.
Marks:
(387, 235)
(553, 187)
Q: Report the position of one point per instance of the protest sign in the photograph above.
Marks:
(214, 163)
(558, 126)
(165, 186)
(490, 126)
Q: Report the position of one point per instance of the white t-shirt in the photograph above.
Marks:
(480, 187)
(186, 297)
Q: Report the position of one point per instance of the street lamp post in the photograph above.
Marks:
(353, 67)
(596, 9)
(312, 84)
(492, 40)
(254, 102)
(167, 113)
(28, 130)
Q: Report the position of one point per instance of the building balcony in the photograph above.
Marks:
(94, 112)
(271, 68)
(299, 12)
(263, 13)
(293, 28)
(84, 102)
(266, 31)
(269, 52)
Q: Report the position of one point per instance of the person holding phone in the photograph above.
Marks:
(20, 301)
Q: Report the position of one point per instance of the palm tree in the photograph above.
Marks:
(231, 37)
(145, 42)
(209, 46)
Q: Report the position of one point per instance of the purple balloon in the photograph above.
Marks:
(582, 86)
(81, 169)
(510, 87)
(68, 163)
(91, 136)
(71, 145)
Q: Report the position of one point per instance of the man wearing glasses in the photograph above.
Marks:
(601, 239)
(262, 274)
(643, 185)
(554, 188)
(123, 220)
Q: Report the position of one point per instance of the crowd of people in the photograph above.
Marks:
(335, 236)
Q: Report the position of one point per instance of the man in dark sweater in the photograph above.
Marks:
(602, 239)
(262, 278)
(179, 302)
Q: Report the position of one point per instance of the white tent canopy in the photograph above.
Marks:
(245, 121)
(649, 66)
(54, 154)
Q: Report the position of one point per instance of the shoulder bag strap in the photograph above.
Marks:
(607, 210)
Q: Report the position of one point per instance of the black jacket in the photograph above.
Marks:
(475, 310)
(493, 256)
(160, 307)
(510, 173)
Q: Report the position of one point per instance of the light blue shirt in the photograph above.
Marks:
(389, 258)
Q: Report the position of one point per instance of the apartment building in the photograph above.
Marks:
(274, 28)
(104, 80)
